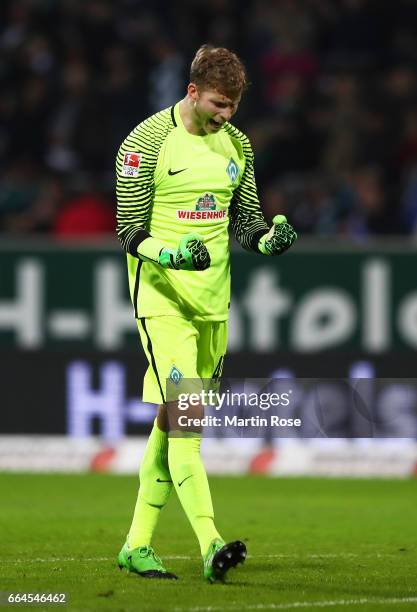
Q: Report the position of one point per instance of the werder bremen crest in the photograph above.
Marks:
(232, 170)
(206, 202)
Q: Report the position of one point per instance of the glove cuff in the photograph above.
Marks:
(261, 245)
(166, 259)
(263, 239)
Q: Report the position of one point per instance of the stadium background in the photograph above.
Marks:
(332, 116)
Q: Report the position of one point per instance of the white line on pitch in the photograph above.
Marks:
(304, 604)
(192, 558)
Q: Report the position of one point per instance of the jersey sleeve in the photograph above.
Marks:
(246, 217)
(135, 167)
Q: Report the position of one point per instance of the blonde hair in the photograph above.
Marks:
(220, 69)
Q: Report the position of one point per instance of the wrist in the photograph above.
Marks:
(150, 249)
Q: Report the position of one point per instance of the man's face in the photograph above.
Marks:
(212, 109)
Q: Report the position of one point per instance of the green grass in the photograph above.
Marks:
(308, 540)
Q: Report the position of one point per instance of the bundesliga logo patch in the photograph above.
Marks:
(131, 164)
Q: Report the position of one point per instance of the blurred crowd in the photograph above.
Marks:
(331, 110)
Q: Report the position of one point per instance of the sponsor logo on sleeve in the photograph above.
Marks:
(205, 209)
(131, 164)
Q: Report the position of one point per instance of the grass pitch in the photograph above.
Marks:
(312, 543)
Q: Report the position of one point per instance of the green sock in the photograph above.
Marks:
(155, 487)
(191, 484)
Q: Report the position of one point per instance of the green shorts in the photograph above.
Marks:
(179, 349)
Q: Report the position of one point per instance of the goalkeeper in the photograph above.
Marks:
(184, 176)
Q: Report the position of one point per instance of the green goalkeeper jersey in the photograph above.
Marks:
(170, 183)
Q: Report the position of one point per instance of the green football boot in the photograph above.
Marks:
(143, 561)
(221, 557)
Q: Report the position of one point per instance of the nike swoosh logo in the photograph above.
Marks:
(159, 480)
(172, 172)
(182, 481)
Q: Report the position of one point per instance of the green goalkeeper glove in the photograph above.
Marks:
(191, 254)
(279, 238)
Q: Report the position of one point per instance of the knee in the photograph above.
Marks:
(162, 418)
(185, 420)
